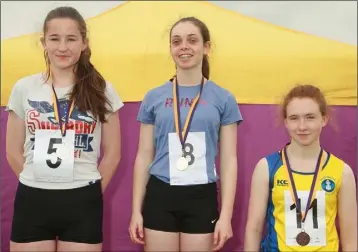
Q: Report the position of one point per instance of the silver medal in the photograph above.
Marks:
(62, 152)
(182, 164)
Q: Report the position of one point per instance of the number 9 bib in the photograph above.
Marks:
(54, 156)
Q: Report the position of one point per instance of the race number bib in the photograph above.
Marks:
(315, 223)
(195, 154)
(48, 166)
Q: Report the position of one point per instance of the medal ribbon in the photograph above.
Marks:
(183, 133)
(292, 186)
(58, 117)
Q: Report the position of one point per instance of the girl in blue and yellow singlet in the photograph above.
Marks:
(298, 191)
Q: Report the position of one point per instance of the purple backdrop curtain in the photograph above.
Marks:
(258, 136)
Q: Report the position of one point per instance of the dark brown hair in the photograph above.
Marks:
(89, 89)
(204, 31)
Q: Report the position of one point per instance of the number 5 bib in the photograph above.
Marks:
(54, 156)
(54, 149)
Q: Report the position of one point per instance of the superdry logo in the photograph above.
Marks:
(282, 182)
(41, 116)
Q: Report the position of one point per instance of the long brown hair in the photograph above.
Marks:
(204, 31)
(90, 86)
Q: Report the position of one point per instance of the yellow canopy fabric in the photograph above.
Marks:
(255, 60)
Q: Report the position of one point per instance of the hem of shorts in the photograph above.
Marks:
(32, 240)
(57, 185)
(80, 241)
(178, 231)
(161, 229)
(197, 232)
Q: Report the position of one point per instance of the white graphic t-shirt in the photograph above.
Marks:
(32, 100)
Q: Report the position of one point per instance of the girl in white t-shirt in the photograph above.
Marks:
(57, 123)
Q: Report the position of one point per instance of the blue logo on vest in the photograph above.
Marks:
(328, 185)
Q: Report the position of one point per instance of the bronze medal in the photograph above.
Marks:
(303, 238)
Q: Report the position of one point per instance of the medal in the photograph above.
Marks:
(62, 151)
(182, 164)
(302, 238)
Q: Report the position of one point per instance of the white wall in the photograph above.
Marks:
(23, 17)
(331, 19)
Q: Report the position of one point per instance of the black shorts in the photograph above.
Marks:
(188, 209)
(73, 215)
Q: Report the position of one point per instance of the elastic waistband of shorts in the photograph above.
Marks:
(166, 186)
(30, 182)
(84, 186)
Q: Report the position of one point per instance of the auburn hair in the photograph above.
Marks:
(305, 91)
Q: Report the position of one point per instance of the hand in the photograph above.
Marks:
(222, 233)
(136, 229)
